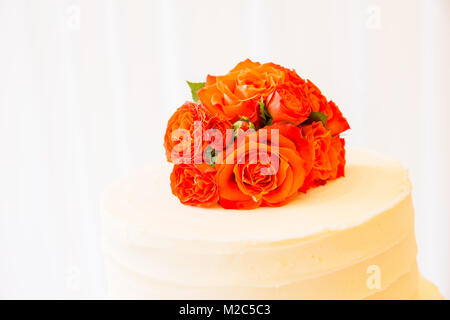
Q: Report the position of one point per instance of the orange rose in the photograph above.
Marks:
(335, 120)
(189, 143)
(261, 171)
(329, 155)
(288, 103)
(236, 94)
(221, 142)
(303, 145)
(194, 185)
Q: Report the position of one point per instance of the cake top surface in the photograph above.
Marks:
(372, 184)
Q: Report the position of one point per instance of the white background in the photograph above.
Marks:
(86, 88)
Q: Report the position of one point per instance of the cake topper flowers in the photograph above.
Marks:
(253, 137)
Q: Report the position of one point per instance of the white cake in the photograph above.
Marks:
(350, 239)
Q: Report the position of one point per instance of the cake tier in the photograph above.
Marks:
(351, 239)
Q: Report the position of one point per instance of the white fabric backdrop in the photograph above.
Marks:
(87, 86)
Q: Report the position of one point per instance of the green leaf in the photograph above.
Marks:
(211, 156)
(262, 109)
(195, 86)
(318, 116)
(265, 115)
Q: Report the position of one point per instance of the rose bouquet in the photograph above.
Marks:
(253, 137)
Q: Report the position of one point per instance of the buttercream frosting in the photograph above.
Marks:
(350, 239)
